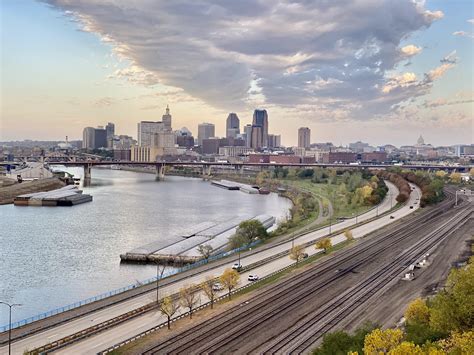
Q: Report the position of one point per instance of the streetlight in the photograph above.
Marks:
(10, 324)
(159, 275)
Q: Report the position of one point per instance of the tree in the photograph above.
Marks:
(208, 288)
(458, 343)
(324, 243)
(348, 235)
(453, 308)
(382, 341)
(418, 312)
(169, 307)
(262, 177)
(296, 253)
(189, 298)
(205, 250)
(230, 279)
(471, 172)
(406, 348)
(455, 178)
(441, 174)
(251, 230)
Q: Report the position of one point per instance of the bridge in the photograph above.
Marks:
(238, 166)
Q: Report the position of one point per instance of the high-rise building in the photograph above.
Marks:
(166, 119)
(164, 140)
(260, 118)
(110, 132)
(232, 125)
(94, 138)
(274, 141)
(205, 131)
(146, 131)
(100, 138)
(248, 135)
(88, 138)
(304, 137)
(256, 139)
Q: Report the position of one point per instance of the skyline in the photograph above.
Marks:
(78, 64)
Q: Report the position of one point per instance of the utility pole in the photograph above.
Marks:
(10, 324)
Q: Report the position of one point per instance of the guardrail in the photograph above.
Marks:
(185, 314)
(141, 310)
(187, 267)
(101, 296)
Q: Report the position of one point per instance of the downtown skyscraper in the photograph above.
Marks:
(260, 119)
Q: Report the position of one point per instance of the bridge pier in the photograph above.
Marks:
(87, 174)
(206, 172)
(160, 172)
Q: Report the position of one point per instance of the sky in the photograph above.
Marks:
(383, 72)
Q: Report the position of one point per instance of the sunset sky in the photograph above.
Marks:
(377, 71)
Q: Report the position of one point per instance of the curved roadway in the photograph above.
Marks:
(137, 325)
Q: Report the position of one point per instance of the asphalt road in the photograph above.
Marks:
(135, 326)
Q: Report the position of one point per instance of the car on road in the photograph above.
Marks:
(237, 266)
(253, 277)
(217, 287)
(305, 256)
(411, 207)
(392, 217)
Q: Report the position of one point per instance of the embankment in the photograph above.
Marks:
(8, 193)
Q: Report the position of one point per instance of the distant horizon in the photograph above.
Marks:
(79, 63)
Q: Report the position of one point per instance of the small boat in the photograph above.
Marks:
(263, 191)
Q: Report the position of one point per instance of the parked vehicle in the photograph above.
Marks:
(392, 217)
(253, 277)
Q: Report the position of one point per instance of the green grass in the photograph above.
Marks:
(329, 193)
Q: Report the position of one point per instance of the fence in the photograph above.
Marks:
(101, 296)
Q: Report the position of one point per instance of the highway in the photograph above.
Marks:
(134, 326)
(292, 315)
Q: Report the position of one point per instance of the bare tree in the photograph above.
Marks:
(208, 287)
(169, 307)
(189, 298)
(205, 250)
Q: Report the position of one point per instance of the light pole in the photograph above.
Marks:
(10, 324)
(159, 275)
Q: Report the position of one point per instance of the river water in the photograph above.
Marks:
(54, 256)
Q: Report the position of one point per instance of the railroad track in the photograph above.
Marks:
(305, 332)
(237, 321)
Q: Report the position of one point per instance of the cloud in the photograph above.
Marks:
(471, 21)
(445, 102)
(104, 102)
(410, 50)
(328, 55)
(463, 34)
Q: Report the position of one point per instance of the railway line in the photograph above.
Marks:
(234, 327)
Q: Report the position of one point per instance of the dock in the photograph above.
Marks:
(185, 249)
(68, 195)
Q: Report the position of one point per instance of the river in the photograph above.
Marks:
(54, 256)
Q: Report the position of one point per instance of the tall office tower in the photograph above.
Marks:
(248, 135)
(166, 119)
(100, 137)
(88, 138)
(146, 131)
(256, 139)
(304, 137)
(260, 118)
(110, 132)
(232, 125)
(205, 131)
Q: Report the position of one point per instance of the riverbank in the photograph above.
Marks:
(8, 193)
